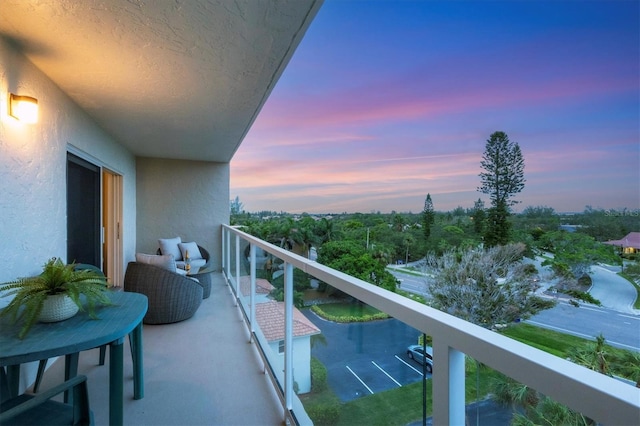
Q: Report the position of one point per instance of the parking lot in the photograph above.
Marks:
(366, 358)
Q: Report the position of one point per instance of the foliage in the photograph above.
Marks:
(428, 216)
(575, 252)
(537, 220)
(318, 375)
(538, 409)
(56, 278)
(301, 282)
(235, 206)
(604, 225)
(503, 166)
(485, 287)
(626, 364)
(348, 312)
(498, 227)
(593, 355)
(502, 178)
(581, 295)
(479, 217)
(353, 259)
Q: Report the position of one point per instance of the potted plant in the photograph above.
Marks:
(55, 293)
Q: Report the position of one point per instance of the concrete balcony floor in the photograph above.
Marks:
(202, 371)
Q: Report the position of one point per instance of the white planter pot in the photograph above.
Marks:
(58, 307)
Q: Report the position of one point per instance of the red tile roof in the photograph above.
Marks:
(270, 316)
(262, 286)
(631, 240)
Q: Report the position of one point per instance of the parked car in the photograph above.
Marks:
(416, 353)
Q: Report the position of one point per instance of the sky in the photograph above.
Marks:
(385, 102)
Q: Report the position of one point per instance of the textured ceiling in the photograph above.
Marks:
(180, 79)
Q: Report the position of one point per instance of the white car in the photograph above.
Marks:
(416, 353)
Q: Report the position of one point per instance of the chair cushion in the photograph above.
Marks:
(192, 248)
(164, 261)
(170, 246)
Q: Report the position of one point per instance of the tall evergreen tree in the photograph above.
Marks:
(502, 178)
(428, 216)
(479, 217)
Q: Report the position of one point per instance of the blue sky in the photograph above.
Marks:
(384, 102)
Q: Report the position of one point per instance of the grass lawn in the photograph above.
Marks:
(404, 404)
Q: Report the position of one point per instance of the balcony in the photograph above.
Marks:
(221, 368)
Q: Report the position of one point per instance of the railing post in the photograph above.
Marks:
(448, 385)
(237, 266)
(252, 299)
(288, 335)
(222, 250)
(228, 255)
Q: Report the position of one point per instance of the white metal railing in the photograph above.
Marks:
(597, 396)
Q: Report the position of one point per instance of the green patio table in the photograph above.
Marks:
(80, 333)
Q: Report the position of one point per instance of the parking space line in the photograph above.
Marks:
(360, 380)
(387, 374)
(409, 365)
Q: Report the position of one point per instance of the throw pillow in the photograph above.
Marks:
(170, 246)
(165, 261)
(194, 251)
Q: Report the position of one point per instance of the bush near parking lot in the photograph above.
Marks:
(321, 404)
(348, 312)
(318, 375)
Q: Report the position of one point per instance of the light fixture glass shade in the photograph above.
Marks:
(23, 108)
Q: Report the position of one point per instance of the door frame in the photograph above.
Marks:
(112, 250)
(111, 217)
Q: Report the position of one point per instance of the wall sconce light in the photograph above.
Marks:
(23, 108)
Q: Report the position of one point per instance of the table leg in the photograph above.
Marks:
(13, 379)
(135, 339)
(70, 371)
(116, 382)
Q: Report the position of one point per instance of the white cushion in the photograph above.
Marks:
(165, 261)
(170, 246)
(192, 248)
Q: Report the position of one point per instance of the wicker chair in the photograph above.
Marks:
(172, 297)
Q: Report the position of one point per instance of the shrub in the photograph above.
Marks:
(581, 295)
(348, 318)
(318, 376)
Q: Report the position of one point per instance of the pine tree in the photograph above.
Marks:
(502, 178)
(428, 216)
(479, 217)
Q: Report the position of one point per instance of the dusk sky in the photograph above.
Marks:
(384, 102)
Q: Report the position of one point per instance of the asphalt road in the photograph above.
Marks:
(588, 321)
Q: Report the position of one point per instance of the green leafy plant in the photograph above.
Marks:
(55, 279)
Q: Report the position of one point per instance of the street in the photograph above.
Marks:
(619, 329)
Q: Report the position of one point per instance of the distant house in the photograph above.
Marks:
(270, 317)
(629, 244)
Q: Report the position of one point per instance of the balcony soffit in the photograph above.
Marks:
(177, 79)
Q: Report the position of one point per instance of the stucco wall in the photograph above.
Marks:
(189, 199)
(33, 224)
(33, 159)
(301, 362)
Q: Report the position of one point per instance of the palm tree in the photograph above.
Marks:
(593, 355)
(627, 364)
(325, 230)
